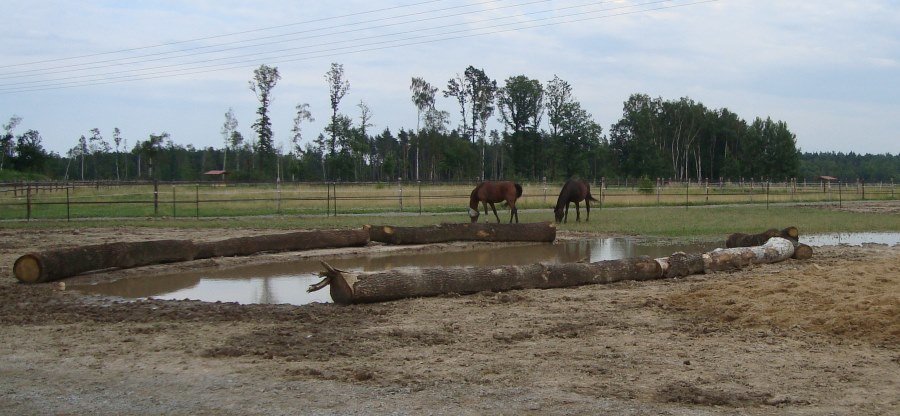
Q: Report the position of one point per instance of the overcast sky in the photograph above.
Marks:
(830, 69)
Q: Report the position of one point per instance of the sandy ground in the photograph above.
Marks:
(820, 336)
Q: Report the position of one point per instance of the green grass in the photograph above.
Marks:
(678, 222)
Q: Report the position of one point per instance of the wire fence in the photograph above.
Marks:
(74, 200)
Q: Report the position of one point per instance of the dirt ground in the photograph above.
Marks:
(820, 336)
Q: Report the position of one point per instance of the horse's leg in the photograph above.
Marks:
(566, 215)
(577, 212)
(587, 208)
(485, 204)
(513, 211)
(495, 212)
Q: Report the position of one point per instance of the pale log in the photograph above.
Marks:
(365, 287)
(536, 232)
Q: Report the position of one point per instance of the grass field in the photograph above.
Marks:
(238, 200)
(663, 221)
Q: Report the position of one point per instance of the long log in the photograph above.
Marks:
(50, 265)
(538, 232)
(792, 234)
(750, 240)
(53, 265)
(295, 241)
(365, 287)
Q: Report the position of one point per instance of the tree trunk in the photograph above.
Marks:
(365, 287)
(300, 240)
(539, 232)
(792, 234)
(750, 240)
(52, 265)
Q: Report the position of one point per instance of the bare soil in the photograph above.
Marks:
(820, 336)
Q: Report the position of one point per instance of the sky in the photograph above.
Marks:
(829, 69)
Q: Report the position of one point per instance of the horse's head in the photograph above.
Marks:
(558, 213)
(473, 215)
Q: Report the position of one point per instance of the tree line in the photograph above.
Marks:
(546, 134)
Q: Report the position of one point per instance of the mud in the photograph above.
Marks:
(820, 336)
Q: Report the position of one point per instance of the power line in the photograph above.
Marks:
(349, 49)
(224, 35)
(47, 71)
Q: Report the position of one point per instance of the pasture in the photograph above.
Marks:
(811, 337)
(209, 200)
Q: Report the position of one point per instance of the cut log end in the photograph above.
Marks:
(802, 252)
(27, 269)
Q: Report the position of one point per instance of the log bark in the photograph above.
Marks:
(750, 240)
(538, 232)
(774, 250)
(365, 287)
(295, 241)
(802, 252)
(53, 265)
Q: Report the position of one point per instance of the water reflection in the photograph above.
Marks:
(286, 282)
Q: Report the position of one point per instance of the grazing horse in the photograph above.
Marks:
(489, 192)
(574, 190)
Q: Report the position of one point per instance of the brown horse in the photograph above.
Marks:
(574, 190)
(489, 192)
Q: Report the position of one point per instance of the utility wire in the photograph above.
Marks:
(26, 73)
(333, 52)
(225, 35)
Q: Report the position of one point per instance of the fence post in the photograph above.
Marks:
(767, 194)
(420, 196)
(400, 192)
(334, 195)
(197, 200)
(28, 202)
(327, 199)
(278, 197)
(173, 202)
(68, 209)
(840, 197)
(155, 197)
(862, 184)
(658, 185)
(602, 183)
(687, 193)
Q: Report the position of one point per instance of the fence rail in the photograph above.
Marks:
(71, 200)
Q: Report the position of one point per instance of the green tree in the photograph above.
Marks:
(30, 153)
(521, 103)
(229, 127)
(264, 80)
(423, 98)
(337, 89)
(117, 139)
(6, 141)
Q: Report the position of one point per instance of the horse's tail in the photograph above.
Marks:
(591, 197)
(518, 191)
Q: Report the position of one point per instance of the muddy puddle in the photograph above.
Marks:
(286, 282)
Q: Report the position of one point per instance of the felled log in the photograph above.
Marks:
(774, 250)
(801, 251)
(47, 266)
(53, 265)
(365, 287)
(538, 232)
(750, 240)
(295, 241)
